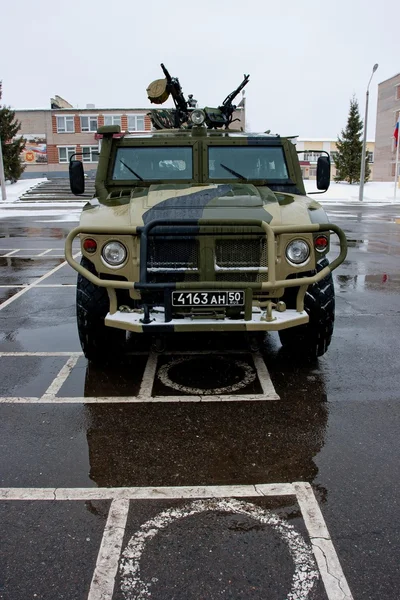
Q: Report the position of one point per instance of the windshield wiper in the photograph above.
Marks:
(131, 170)
(235, 173)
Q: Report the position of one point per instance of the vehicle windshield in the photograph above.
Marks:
(247, 162)
(153, 163)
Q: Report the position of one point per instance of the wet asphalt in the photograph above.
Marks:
(335, 426)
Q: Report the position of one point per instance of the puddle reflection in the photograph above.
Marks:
(221, 443)
(381, 282)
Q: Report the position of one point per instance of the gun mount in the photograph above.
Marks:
(159, 91)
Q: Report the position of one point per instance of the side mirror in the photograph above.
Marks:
(323, 173)
(76, 177)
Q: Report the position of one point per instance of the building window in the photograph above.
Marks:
(333, 155)
(313, 172)
(370, 157)
(398, 92)
(65, 153)
(136, 123)
(311, 156)
(112, 120)
(65, 124)
(90, 154)
(88, 123)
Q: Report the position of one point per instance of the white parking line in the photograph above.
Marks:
(35, 256)
(264, 377)
(103, 581)
(59, 380)
(35, 283)
(26, 253)
(146, 386)
(49, 354)
(131, 399)
(324, 551)
(149, 493)
(148, 378)
(40, 285)
(55, 285)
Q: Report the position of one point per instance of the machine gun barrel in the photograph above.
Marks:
(228, 100)
(181, 105)
(166, 73)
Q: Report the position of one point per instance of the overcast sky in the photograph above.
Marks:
(305, 59)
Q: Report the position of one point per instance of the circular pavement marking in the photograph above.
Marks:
(305, 573)
(249, 376)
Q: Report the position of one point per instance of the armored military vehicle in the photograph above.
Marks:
(198, 227)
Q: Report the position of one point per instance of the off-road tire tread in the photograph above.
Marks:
(314, 338)
(99, 342)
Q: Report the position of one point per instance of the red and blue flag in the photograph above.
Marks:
(396, 134)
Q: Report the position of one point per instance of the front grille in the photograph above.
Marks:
(241, 253)
(171, 277)
(174, 258)
(173, 252)
(245, 276)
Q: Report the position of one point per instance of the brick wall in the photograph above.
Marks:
(77, 124)
(388, 104)
(124, 123)
(147, 123)
(52, 154)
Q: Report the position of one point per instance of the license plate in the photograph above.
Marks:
(208, 298)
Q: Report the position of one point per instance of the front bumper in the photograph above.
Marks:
(254, 318)
(134, 322)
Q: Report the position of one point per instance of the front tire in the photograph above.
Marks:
(99, 343)
(314, 338)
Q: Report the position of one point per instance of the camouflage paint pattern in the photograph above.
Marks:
(122, 208)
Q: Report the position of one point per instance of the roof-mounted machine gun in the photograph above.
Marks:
(158, 92)
(223, 115)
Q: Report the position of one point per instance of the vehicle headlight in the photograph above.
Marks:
(197, 117)
(114, 253)
(297, 251)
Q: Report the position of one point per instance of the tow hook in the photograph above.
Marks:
(267, 315)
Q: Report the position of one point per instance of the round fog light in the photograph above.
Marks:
(297, 251)
(114, 253)
(197, 117)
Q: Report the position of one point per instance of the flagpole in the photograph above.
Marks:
(396, 169)
(2, 176)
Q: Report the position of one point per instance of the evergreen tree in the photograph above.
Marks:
(11, 145)
(349, 146)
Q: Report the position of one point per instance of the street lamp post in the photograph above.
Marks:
(362, 177)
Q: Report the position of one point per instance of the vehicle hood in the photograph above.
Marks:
(215, 201)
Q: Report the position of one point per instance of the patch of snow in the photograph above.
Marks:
(374, 191)
(15, 190)
(43, 205)
(68, 215)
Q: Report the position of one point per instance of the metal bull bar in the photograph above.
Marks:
(193, 226)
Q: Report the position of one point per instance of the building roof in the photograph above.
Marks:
(333, 140)
(389, 78)
(77, 109)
